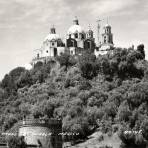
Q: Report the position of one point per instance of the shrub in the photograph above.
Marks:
(87, 66)
(131, 139)
(115, 128)
(16, 142)
(101, 138)
(109, 133)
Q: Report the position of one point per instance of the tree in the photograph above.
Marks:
(13, 142)
(38, 65)
(140, 48)
(123, 112)
(87, 66)
(66, 60)
(144, 128)
(25, 79)
(15, 73)
(130, 139)
(37, 112)
(16, 142)
(47, 109)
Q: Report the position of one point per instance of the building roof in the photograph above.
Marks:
(107, 25)
(75, 29)
(50, 37)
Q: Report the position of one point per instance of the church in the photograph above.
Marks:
(77, 41)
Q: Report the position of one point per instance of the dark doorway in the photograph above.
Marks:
(55, 52)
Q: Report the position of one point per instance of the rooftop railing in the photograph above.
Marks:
(40, 122)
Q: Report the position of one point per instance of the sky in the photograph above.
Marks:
(25, 23)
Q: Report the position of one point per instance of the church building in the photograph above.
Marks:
(77, 41)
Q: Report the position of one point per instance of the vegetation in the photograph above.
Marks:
(16, 142)
(106, 92)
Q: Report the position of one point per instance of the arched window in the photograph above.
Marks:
(38, 55)
(104, 39)
(82, 36)
(89, 45)
(73, 43)
(76, 35)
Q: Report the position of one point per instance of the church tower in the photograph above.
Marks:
(89, 42)
(107, 36)
(107, 41)
(89, 33)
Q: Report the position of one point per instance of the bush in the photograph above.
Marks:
(66, 60)
(16, 142)
(115, 128)
(109, 133)
(87, 66)
(131, 139)
(100, 138)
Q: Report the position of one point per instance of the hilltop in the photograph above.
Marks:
(108, 93)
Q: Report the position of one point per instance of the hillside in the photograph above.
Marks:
(109, 92)
(95, 142)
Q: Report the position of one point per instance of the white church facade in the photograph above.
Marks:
(77, 41)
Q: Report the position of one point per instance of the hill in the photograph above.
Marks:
(109, 92)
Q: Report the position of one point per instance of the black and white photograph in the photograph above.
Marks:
(74, 74)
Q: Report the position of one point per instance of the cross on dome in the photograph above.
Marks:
(76, 21)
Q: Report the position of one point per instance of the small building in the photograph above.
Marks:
(38, 133)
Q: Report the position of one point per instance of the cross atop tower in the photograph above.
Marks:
(75, 21)
(52, 30)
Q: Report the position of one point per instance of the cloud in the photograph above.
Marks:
(34, 13)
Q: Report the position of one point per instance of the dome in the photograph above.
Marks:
(75, 29)
(107, 25)
(52, 37)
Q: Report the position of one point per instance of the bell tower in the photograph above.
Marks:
(107, 36)
(89, 33)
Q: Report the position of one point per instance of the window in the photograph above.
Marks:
(106, 30)
(73, 44)
(52, 44)
(76, 35)
(47, 51)
(38, 55)
(82, 36)
(71, 52)
(105, 39)
(88, 43)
